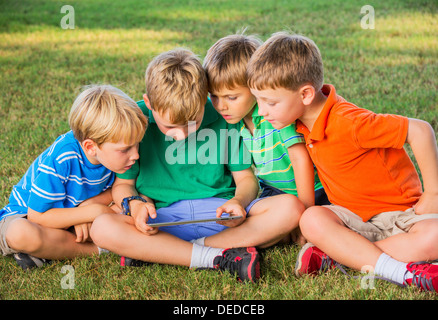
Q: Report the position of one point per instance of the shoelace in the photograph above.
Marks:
(420, 278)
(327, 262)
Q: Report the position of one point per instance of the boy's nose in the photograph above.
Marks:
(135, 156)
(262, 110)
(221, 105)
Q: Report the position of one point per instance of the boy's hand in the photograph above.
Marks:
(140, 212)
(428, 203)
(234, 208)
(83, 232)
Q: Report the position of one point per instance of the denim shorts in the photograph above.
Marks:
(191, 210)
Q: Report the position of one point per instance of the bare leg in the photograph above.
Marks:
(325, 230)
(118, 234)
(269, 221)
(48, 243)
(419, 244)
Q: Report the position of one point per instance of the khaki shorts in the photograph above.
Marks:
(383, 225)
(4, 225)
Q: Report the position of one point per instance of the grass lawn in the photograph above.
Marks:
(390, 69)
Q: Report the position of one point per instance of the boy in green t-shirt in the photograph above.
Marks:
(280, 157)
(192, 165)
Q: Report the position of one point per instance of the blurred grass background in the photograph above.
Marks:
(390, 69)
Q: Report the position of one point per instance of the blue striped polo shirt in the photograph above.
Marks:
(61, 177)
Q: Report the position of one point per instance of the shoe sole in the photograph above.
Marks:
(299, 262)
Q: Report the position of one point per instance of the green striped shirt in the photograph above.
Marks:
(268, 147)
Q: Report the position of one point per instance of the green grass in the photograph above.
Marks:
(391, 69)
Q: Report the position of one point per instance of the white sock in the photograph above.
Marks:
(101, 250)
(392, 269)
(199, 241)
(202, 257)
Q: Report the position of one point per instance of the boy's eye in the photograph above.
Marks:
(232, 98)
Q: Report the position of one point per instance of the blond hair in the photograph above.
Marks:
(104, 113)
(226, 61)
(176, 84)
(286, 61)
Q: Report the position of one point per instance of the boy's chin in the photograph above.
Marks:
(231, 121)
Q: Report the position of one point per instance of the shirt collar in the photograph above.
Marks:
(318, 130)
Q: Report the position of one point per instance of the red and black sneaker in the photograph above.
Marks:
(128, 262)
(425, 275)
(311, 260)
(243, 262)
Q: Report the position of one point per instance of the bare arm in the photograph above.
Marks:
(422, 140)
(140, 211)
(62, 218)
(304, 173)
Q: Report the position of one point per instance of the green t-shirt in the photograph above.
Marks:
(268, 147)
(197, 167)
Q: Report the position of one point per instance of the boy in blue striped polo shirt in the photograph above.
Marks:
(280, 158)
(67, 186)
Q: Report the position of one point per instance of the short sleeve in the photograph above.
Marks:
(380, 130)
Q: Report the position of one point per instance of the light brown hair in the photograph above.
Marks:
(226, 61)
(104, 113)
(286, 61)
(176, 83)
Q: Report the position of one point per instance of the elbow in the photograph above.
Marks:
(419, 129)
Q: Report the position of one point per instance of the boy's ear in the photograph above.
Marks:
(90, 147)
(147, 101)
(307, 93)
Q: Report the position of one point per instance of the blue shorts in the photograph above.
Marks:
(320, 195)
(190, 210)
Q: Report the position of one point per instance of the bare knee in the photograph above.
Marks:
(314, 222)
(101, 229)
(284, 210)
(24, 236)
(428, 240)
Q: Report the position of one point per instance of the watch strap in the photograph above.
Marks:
(125, 203)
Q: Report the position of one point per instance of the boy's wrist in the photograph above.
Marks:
(125, 203)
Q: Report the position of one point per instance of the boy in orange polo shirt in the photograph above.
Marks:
(370, 180)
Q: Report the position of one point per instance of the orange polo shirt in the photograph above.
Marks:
(360, 158)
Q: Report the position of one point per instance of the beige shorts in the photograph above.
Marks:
(4, 224)
(383, 225)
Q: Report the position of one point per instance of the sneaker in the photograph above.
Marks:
(243, 262)
(26, 261)
(312, 260)
(128, 262)
(425, 275)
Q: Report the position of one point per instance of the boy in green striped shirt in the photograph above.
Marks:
(281, 161)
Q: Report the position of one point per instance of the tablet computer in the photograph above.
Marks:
(174, 223)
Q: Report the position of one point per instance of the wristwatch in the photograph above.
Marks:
(125, 203)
